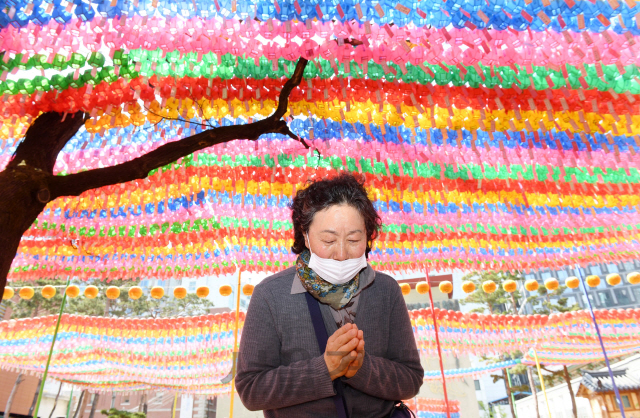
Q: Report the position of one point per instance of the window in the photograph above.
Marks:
(125, 400)
(529, 276)
(192, 287)
(636, 291)
(625, 401)
(623, 296)
(477, 384)
(613, 268)
(545, 275)
(562, 274)
(596, 270)
(605, 299)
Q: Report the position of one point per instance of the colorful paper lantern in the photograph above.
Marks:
(113, 292)
(26, 293)
(202, 291)
(405, 288)
(180, 292)
(446, 287)
(531, 285)
(614, 279)
(226, 290)
(422, 288)
(91, 292)
(8, 293)
(572, 282)
(633, 278)
(489, 286)
(48, 292)
(72, 291)
(468, 287)
(509, 286)
(247, 289)
(135, 292)
(157, 292)
(593, 281)
(551, 284)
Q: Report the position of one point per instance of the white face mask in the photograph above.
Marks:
(334, 271)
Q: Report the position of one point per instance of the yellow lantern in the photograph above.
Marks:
(405, 288)
(26, 293)
(593, 281)
(91, 292)
(135, 292)
(202, 291)
(614, 279)
(180, 292)
(446, 287)
(489, 286)
(8, 293)
(225, 290)
(247, 289)
(572, 282)
(157, 292)
(509, 286)
(113, 292)
(422, 288)
(468, 287)
(551, 284)
(531, 285)
(48, 291)
(633, 278)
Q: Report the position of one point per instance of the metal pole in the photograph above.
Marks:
(435, 328)
(70, 402)
(544, 391)
(604, 352)
(55, 334)
(235, 344)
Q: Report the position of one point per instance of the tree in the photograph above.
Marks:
(14, 390)
(489, 412)
(27, 184)
(114, 413)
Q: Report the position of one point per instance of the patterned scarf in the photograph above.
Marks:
(335, 295)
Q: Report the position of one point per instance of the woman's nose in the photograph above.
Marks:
(341, 252)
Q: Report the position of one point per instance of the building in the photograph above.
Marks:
(598, 389)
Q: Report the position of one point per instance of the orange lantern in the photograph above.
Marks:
(226, 290)
(157, 292)
(489, 286)
(614, 279)
(405, 288)
(48, 291)
(72, 291)
(446, 287)
(8, 293)
(468, 287)
(531, 285)
(113, 292)
(135, 292)
(202, 291)
(551, 284)
(572, 282)
(633, 278)
(91, 292)
(422, 288)
(180, 292)
(593, 281)
(247, 289)
(26, 293)
(509, 286)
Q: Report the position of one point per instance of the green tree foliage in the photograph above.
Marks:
(488, 412)
(114, 413)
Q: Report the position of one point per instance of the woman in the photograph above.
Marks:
(280, 368)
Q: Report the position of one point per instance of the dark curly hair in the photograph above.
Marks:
(321, 194)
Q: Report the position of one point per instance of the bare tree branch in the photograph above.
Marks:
(139, 168)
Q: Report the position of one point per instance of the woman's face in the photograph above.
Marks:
(337, 233)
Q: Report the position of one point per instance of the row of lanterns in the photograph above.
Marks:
(531, 285)
(113, 292)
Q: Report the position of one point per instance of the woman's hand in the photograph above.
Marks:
(340, 351)
(355, 365)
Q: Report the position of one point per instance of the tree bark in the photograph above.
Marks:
(508, 387)
(7, 409)
(94, 405)
(534, 392)
(35, 397)
(567, 379)
(82, 402)
(55, 402)
(28, 183)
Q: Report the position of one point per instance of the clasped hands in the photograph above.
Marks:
(345, 352)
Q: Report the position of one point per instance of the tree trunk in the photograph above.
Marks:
(532, 384)
(143, 401)
(567, 379)
(7, 409)
(82, 402)
(94, 405)
(55, 402)
(508, 387)
(35, 397)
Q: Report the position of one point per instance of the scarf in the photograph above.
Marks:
(337, 296)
